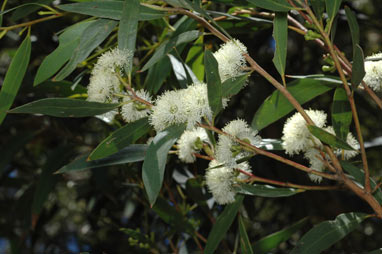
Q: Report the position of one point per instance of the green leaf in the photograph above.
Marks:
(280, 34)
(321, 77)
(132, 153)
(359, 176)
(157, 74)
(179, 71)
(173, 217)
(268, 191)
(68, 42)
(128, 27)
(14, 77)
(48, 180)
(325, 234)
(332, 7)
(28, 9)
(155, 160)
(222, 224)
(358, 67)
(245, 243)
(60, 88)
(328, 138)
(91, 38)
(120, 138)
(272, 5)
(271, 144)
(269, 242)
(232, 86)
(353, 25)
(63, 107)
(318, 8)
(341, 113)
(276, 106)
(214, 86)
(168, 46)
(110, 10)
(195, 58)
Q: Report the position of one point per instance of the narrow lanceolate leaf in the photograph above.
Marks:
(245, 243)
(179, 71)
(155, 160)
(47, 179)
(270, 242)
(280, 34)
(353, 25)
(173, 217)
(325, 234)
(91, 38)
(341, 113)
(121, 138)
(14, 77)
(128, 27)
(232, 86)
(332, 7)
(68, 42)
(358, 67)
(318, 8)
(168, 46)
(63, 107)
(214, 86)
(110, 10)
(222, 224)
(276, 106)
(195, 58)
(268, 191)
(321, 77)
(273, 5)
(359, 176)
(328, 138)
(132, 153)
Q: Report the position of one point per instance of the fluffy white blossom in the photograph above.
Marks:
(191, 142)
(113, 60)
(316, 162)
(296, 136)
(230, 59)
(351, 140)
(228, 150)
(373, 69)
(135, 110)
(220, 181)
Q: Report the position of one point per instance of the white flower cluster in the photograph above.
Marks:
(134, 110)
(103, 81)
(373, 69)
(230, 59)
(220, 180)
(228, 150)
(188, 105)
(297, 138)
(191, 142)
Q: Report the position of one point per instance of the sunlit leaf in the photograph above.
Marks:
(280, 34)
(328, 138)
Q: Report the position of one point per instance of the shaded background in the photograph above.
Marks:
(105, 211)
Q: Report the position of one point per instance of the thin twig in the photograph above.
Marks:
(30, 23)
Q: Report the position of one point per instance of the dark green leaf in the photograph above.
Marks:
(232, 86)
(269, 242)
(172, 217)
(110, 10)
(168, 46)
(14, 77)
(328, 138)
(179, 71)
(332, 7)
(68, 42)
(272, 5)
(276, 106)
(157, 75)
(358, 67)
(48, 180)
(28, 9)
(195, 58)
(222, 224)
(341, 113)
(214, 86)
(280, 34)
(321, 77)
(155, 160)
(354, 28)
(120, 138)
(318, 8)
(128, 27)
(268, 191)
(359, 176)
(325, 234)
(271, 144)
(132, 153)
(61, 88)
(245, 243)
(91, 38)
(63, 107)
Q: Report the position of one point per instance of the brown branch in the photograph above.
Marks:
(30, 23)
